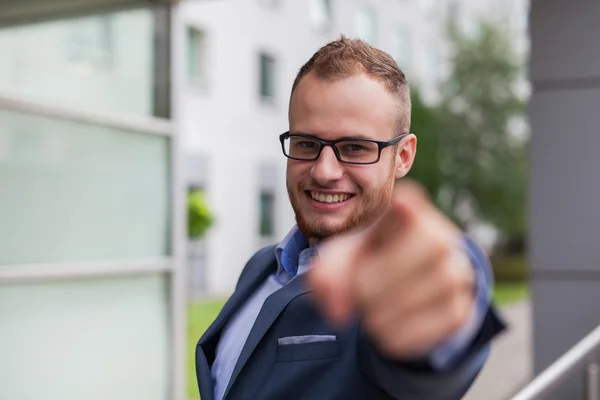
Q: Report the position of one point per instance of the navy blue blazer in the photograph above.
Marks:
(348, 367)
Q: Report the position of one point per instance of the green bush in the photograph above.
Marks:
(199, 217)
(511, 268)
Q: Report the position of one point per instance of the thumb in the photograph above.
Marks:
(330, 277)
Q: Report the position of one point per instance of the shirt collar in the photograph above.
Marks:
(293, 253)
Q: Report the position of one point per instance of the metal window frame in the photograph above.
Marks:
(149, 125)
(179, 240)
(19, 12)
(44, 272)
(168, 43)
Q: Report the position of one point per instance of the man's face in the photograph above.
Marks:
(357, 106)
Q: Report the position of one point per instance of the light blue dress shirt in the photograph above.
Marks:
(293, 258)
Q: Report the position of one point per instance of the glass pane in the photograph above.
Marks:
(71, 191)
(197, 56)
(267, 70)
(92, 340)
(101, 62)
(267, 213)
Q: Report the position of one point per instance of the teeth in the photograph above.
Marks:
(329, 198)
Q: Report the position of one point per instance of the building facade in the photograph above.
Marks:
(564, 189)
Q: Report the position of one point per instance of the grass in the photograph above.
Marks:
(202, 314)
(506, 293)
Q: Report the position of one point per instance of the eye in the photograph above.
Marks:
(305, 144)
(353, 147)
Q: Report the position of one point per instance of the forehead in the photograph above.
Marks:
(352, 106)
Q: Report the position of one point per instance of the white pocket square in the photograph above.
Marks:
(305, 339)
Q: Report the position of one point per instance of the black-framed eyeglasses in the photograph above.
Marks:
(347, 150)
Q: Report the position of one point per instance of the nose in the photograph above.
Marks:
(327, 168)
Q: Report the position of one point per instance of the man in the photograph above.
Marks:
(374, 294)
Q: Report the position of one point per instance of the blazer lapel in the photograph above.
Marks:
(264, 266)
(271, 309)
(259, 268)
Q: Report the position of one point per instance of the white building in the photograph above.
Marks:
(242, 59)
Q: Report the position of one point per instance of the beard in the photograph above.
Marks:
(373, 204)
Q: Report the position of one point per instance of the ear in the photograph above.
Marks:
(405, 155)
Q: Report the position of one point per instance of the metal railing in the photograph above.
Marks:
(582, 354)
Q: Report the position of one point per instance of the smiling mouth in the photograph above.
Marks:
(329, 198)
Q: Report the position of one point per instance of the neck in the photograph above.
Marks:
(313, 242)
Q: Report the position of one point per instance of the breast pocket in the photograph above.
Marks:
(306, 348)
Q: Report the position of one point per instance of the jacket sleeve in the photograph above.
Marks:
(450, 370)
(451, 351)
(417, 380)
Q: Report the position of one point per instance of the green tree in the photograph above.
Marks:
(426, 167)
(467, 157)
(199, 217)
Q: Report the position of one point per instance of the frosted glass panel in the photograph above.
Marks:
(71, 191)
(92, 340)
(102, 62)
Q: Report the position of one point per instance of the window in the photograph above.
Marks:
(267, 178)
(267, 76)
(197, 56)
(320, 13)
(102, 62)
(109, 190)
(365, 24)
(402, 48)
(91, 44)
(267, 213)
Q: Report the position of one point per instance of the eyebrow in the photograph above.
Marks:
(354, 136)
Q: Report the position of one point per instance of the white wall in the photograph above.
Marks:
(227, 123)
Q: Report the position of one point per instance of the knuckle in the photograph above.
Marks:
(390, 341)
(392, 345)
(440, 247)
(457, 312)
(375, 323)
(453, 277)
(448, 277)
